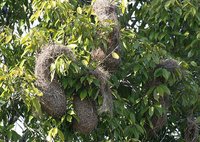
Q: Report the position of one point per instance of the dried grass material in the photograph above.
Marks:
(87, 114)
(165, 101)
(105, 90)
(192, 130)
(159, 122)
(170, 65)
(53, 100)
(106, 13)
(98, 55)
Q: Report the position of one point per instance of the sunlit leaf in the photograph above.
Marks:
(124, 4)
(115, 55)
(61, 135)
(72, 46)
(151, 111)
(85, 63)
(53, 132)
(69, 118)
(79, 10)
(8, 39)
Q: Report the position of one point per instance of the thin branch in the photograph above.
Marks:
(107, 56)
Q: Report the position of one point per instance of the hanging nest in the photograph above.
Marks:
(106, 13)
(159, 122)
(192, 130)
(87, 114)
(53, 100)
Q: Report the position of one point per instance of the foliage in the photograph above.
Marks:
(151, 30)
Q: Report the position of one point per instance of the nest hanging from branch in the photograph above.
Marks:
(53, 100)
(192, 130)
(106, 13)
(87, 114)
(159, 122)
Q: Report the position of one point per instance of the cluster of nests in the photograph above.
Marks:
(54, 100)
(159, 122)
(192, 129)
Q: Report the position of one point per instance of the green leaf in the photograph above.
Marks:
(158, 72)
(90, 79)
(136, 133)
(61, 135)
(139, 128)
(39, 93)
(72, 46)
(71, 112)
(52, 70)
(85, 63)
(166, 74)
(79, 10)
(151, 111)
(36, 105)
(115, 55)
(198, 120)
(193, 63)
(83, 94)
(69, 118)
(36, 15)
(190, 54)
(53, 132)
(124, 4)
(198, 36)
(160, 90)
(83, 79)
(2, 103)
(156, 95)
(8, 39)
(165, 89)
(15, 135)
(150, 91)
(168, 3)
(132, 118)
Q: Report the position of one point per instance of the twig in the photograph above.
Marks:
(107, 56)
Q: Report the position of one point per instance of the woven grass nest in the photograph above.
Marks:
(159, 122)
(87, 114)
(172, 66)
(192, 130)
(106, 13)
(53, 100)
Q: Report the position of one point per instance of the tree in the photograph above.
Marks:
(155, 88)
